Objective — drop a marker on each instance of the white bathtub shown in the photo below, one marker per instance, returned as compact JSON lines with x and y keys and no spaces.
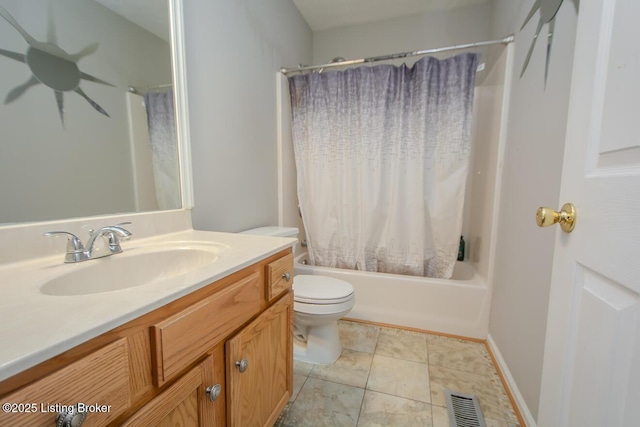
{"x":457,"y":306}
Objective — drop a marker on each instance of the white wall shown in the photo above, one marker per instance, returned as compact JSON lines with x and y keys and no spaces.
{"x":41,"y":158}
{"x":531,"y":178}
{"x":233,"y":51}
{"x":435,"y":29}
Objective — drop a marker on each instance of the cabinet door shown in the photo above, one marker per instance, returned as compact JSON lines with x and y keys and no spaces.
{"x":257,"y":395}
{"x":176,"y":406}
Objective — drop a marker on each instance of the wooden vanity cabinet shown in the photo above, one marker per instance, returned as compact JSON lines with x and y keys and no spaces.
{"x":157,"y":369}
{"x":259,"y":360}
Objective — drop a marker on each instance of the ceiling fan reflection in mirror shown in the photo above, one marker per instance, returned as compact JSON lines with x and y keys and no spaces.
{"x":548,"y":11}
{"x":51,"y":66}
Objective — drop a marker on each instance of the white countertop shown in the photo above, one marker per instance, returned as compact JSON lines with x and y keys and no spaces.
{"x":35,"y":327}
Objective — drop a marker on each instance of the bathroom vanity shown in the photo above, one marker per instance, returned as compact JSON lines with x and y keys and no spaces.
{"x":183,"y":327}
{"x":218,"y":353}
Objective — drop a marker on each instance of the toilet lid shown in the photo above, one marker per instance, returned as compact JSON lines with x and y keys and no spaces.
{"x":320,"y":289}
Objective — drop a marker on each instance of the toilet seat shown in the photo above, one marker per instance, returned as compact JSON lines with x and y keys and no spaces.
{"x":321,"y":290}
{"x":323,"y":309}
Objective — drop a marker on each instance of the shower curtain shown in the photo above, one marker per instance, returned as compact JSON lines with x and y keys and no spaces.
{"x":382,"y":157}
{"x":164,"y":148}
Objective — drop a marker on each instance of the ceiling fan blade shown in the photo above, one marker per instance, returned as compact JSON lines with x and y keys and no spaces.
{"x":91,"y":102}
{"x":84,"y":52}
{"x":51,"y":28}
{"x":18,"y":91}
{"x":552,"y":26}
{"x":60,"y":102}
{"x":91,"y":78}
{"x":533,"y":44}
{"x":13,"y":55}
{"x":532,"y":12}
{"x":7,"y":16}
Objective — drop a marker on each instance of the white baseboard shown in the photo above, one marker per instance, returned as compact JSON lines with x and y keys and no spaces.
{"x":511,"y":383}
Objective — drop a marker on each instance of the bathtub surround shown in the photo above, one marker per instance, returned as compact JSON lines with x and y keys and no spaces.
{"x":382,"y":155}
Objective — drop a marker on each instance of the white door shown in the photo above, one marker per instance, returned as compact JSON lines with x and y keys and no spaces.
{"x":591,"y":371}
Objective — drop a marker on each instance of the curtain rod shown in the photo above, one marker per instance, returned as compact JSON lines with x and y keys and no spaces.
{"x":505,"y":40}
{"x":148,"y":88}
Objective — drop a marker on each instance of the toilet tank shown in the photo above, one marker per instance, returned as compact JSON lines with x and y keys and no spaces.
{"x":273,"y":231}
{"x":276,"y":231}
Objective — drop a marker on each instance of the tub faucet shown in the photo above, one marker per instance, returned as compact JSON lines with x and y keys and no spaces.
{"x":76,"y":251}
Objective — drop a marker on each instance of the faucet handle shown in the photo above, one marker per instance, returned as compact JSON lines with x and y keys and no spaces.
{"x":73,"y":242}
{"x":75,"y":249}
{"x":115,"y":238}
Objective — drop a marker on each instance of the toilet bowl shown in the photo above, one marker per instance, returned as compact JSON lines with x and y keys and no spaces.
{"x":318,"y":303}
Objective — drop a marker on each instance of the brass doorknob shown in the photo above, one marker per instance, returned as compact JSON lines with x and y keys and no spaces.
{"x":566,"y":217}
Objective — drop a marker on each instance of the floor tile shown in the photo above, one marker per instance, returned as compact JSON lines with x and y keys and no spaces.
{"x":494,"y":402}
{"x":324,"y":403}
{"x":298,"y":382}
{"x":498,"y":423}
{"x":404,"y":375}
{"x":358,"y":336}
{"x":440,"y":416}
{"x":380,"y":409}
{"x":460,"y":355}
{"x":302,"y":368}
{"x":401,"y":378}
{"x":402,"y":345}
{"x":351,"y":368}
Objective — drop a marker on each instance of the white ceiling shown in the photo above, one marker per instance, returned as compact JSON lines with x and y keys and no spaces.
{"x":152,"y":15}
{"x":327,"y":14}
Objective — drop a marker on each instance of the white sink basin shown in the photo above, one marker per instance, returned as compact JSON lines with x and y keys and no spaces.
{"x":134,"y":267}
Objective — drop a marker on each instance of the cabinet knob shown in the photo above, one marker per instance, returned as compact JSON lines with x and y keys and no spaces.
{"x":70,"y":417}
{"x":214,"y":392}
{"x":242,"y":365}
{"x":286,"y":276}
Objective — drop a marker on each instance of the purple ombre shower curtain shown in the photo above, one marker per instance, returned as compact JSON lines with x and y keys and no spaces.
{"x":382,"y":156}
{"x":164,"y":148}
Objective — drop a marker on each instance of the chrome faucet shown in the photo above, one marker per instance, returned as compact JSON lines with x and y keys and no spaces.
{"x":76,"y":251}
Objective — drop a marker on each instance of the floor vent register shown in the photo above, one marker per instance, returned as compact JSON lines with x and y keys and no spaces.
{"x":464,"y":410}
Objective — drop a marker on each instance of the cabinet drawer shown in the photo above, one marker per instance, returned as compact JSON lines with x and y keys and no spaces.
{"x":100,"y":380}
{"x":184,"y":337}
{"x":277,"y":273}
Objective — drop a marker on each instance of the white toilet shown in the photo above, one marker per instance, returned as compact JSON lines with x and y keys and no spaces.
{"x":319,"y":301}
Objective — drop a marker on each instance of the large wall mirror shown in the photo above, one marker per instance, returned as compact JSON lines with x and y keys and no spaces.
{"x":87,"y":120}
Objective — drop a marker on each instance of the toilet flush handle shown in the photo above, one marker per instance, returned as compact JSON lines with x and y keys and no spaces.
{"x":286,"y":276}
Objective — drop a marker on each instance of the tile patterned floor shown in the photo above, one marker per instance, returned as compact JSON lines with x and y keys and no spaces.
{"x":392,"y":377}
